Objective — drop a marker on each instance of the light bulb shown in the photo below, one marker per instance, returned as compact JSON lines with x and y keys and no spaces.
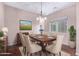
{"x":45,"y":18}
{"x":37,"y":18}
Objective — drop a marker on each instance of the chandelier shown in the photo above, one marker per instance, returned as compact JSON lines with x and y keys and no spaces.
{"x":41,"y":18}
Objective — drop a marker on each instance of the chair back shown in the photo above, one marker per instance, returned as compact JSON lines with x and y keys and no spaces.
{"x":58,"y":46}
{"x":28,"y":43}
{"x":22,"y":39}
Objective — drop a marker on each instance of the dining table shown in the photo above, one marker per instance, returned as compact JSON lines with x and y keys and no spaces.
{"x":42,"y":39}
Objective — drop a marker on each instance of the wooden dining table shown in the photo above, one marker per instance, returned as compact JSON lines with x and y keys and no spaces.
{"x":42,"y":39}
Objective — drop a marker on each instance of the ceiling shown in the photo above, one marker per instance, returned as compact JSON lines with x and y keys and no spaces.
{"x":35,"y":7}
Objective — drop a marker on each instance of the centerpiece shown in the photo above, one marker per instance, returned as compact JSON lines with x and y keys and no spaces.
{"x":41,"y":30}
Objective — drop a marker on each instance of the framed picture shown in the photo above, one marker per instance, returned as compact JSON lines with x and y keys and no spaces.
{"x":25,"y":25}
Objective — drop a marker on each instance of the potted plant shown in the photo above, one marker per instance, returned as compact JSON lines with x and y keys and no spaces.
{"x":1,"y":42}
{"x":72,"y":34}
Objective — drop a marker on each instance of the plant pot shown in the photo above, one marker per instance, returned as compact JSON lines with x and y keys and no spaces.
{"x":72,"y":44}
{"x":1,"y":38}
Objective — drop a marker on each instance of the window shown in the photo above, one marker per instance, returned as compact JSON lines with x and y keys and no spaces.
{"x":59,"y":25}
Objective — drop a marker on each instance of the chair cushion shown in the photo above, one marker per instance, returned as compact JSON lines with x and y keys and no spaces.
{"x":35,"y":48}
{"x":50,"y":48}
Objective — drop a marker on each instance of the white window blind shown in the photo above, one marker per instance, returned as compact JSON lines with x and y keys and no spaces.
{"x":59,"y":25}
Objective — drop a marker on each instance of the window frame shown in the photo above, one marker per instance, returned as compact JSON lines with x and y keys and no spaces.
{"x":56,"y":20}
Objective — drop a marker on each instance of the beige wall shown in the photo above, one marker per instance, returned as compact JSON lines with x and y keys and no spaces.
{"x":1,"y":15}
{"x":24,"y":15}
{"x":77,"y":29}
{"x":70,"y":12}
{"x":11,"y":23}
{"x":12,"y":17}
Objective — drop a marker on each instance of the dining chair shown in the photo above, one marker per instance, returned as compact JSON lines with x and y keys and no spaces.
{"x":23,"y":42}
{"x":55,"y":48}
{"x":31,"y":47}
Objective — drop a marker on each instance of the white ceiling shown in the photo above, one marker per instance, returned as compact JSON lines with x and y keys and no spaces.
{"x":35,"y":7}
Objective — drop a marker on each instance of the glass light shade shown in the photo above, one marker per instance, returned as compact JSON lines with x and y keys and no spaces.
{"x":45,"y":18}
{"x":41,"y":18}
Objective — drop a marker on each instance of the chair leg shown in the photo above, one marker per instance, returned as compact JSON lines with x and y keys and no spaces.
{"x":40,"y":53}
{"x":46,"y":53}
{"x":31,"y":54}
{"x":24,"y":50}
{"x":28,"y":54}
{"x":54,"y":54}
{"x":37,"y":53}
{"x":60,"y":53}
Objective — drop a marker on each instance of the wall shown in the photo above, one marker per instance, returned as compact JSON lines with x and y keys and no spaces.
{"x":77,"y":29}
{"x":70,"y":13}
{"x":24,"y":15}
{"x":11,"y":23}
{"x":1,"y":15}
{"x":12,"y":17}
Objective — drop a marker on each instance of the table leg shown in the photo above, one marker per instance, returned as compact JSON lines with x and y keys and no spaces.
{"x":43,"y":45}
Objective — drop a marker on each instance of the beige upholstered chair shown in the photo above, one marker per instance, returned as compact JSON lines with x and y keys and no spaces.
{"x":31,"y":47}
{"x":23,"y":42}
{"x":55,"y":48}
